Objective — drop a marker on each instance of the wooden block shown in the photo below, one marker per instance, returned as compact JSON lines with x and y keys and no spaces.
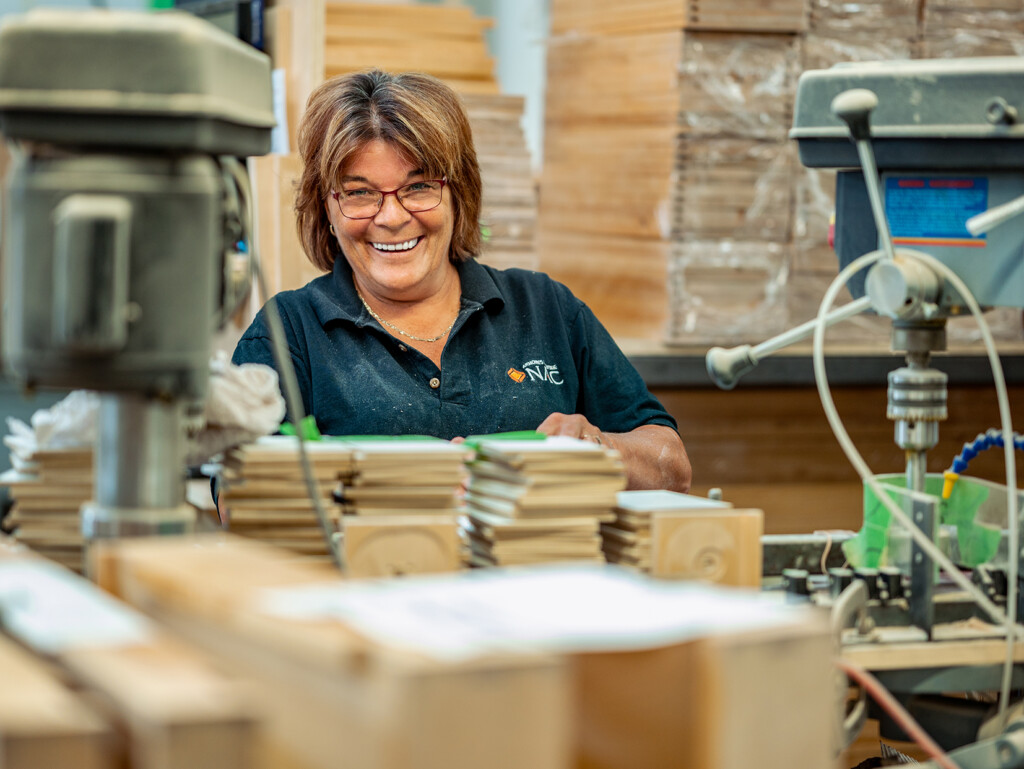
{"x":175,"y":706}
{"x":721,"y":546}
{"x":729,"y":713}
{"x":332,"y":698}
{"x":44,"y":724}
{"x":386,"y":546}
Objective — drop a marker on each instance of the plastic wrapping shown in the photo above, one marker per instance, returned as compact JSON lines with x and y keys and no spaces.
{"x":727,"y":291}
{"x":68,"y":424}
{"x":955,"y":44}
{"x":840,"y":18}
{"x":945,"y":18}
{"x":733,"y":188}
{"x":814,"y":210}
{"x":737,"y":85}
{"x":1005,"y":323}
{"x":821,"y":51}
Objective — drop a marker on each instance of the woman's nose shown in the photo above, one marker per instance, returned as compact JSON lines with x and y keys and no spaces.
{"x":392,"y":211}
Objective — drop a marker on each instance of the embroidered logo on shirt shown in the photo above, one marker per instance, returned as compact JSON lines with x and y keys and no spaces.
{"x":516,"y":375}
{"x":538,"y":370}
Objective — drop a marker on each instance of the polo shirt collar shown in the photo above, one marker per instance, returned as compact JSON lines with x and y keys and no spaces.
{"x":335,"y":297}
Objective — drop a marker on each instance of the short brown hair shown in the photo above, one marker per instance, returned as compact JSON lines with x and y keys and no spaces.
{"x":416,"y":113}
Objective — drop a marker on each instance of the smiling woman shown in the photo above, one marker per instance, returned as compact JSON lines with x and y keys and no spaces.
{"x":408,"y":333}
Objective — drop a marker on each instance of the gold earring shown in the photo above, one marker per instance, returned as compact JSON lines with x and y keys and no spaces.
{"x":332,"y":231}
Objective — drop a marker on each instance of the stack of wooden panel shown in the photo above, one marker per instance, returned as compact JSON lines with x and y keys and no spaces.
{"x":873,"y":29}
{"x":403,"y":476}
{"x":540,"y":501}
{"x":263,"y":493}
{"x":49,"y":488}
{"x":664,"y":134}
{"x":973,"y":28}
{"x":401,"y":501}
{"x":733,"y":195}
{"x":685,"y":537}
{"x":445,"y":41}
{"x":509,"y":214}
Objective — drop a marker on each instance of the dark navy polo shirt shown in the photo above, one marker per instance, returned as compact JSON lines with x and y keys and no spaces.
{"x":521,"y":348}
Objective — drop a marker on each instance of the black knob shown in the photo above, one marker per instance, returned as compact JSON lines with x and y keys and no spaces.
{"x":892,"y":583}
{"x":795,"y":581}
{"x":839,"y":579}
{"x":870,"y":578}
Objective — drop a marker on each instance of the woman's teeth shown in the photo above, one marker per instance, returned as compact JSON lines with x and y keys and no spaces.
{"x":396,"y":246}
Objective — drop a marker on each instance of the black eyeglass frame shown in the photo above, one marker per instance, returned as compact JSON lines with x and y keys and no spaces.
{"x":384,"y":193}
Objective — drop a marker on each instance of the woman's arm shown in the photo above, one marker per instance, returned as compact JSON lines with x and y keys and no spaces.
{"x":654,"y":455}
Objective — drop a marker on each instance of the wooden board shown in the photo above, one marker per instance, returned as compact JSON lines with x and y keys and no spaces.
{"x":629,"y":302}
{"x":43,"y":723}
{"x":728,"y":715}
{"x":175,"y":706}
{"x":388,"y":546}
{"x":723,"y":547}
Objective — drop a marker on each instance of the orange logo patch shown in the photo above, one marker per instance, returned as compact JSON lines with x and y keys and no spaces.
{"x":516,"y":375}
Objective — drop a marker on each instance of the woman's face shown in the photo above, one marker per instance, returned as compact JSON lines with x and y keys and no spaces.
{"x":396,"y":254}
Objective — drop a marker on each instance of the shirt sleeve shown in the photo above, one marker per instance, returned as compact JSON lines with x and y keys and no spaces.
{"x":613,"y":396}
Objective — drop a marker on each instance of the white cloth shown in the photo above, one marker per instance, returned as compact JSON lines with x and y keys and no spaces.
{"x":243,"y":404}
{"x":68,"y":424}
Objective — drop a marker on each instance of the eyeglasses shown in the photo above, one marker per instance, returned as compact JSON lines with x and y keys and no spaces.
{"x":364,"y":203}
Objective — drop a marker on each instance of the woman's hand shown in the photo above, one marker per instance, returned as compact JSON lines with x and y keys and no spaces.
{"x":654,"y":455}
{"x":573,"y":425}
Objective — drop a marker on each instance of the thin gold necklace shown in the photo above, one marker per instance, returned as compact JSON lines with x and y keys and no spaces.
{"x":393,"y":327}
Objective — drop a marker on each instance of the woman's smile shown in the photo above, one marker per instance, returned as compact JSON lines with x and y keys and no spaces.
{"x":406,"y":245}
